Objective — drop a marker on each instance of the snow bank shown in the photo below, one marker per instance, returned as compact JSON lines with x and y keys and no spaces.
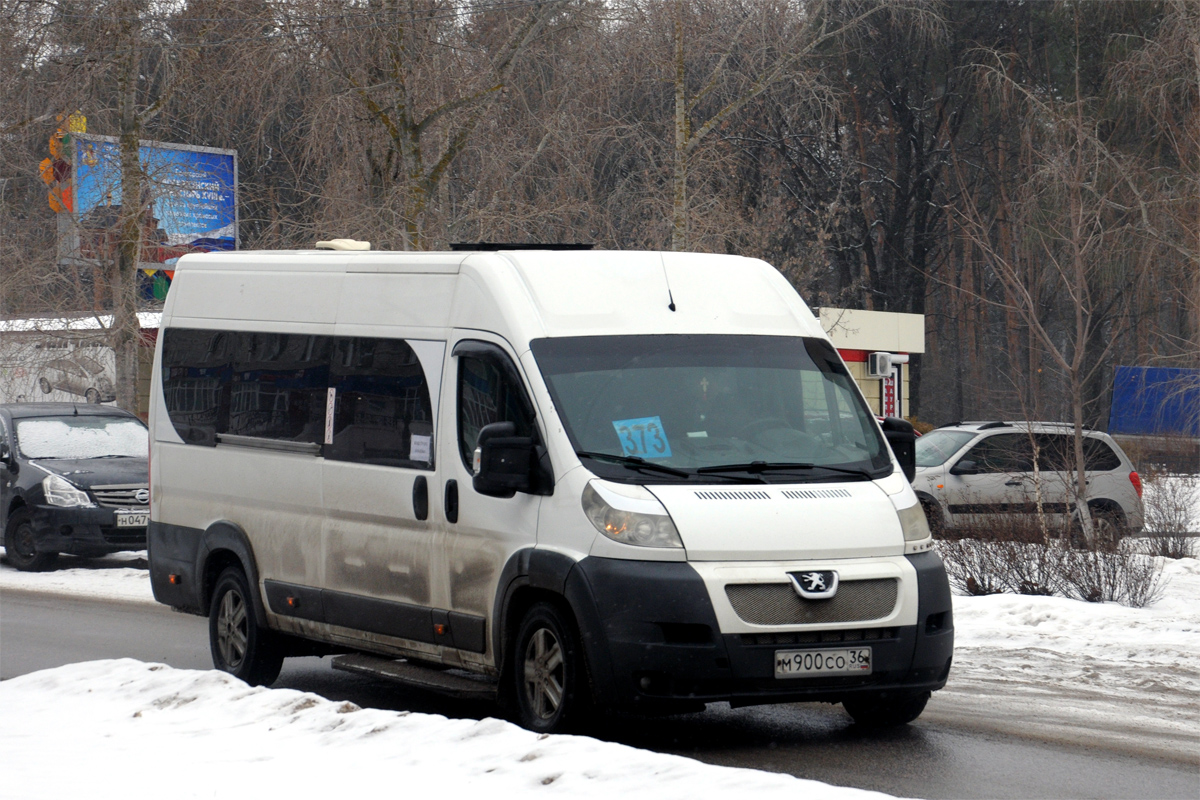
{"x":119,"y":576}
{"x":1126,"y":673}
{"x":128,"y":730}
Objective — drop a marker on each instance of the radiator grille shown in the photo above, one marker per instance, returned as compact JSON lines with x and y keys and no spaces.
{"x":778,"y":603}
{"x":819,"y":637}
{"x":124,"y":496}
{"x":739,"y":495}
{"x":133,"y":537}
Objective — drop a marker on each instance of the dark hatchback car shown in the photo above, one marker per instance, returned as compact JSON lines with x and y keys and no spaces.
{"x":74,"y":478}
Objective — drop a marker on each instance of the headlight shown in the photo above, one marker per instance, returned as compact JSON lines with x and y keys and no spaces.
{"x":641,"y":520}
{"x":916,"y":528}
{"x":61,"y":493}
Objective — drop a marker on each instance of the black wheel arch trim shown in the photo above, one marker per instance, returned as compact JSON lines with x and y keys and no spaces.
{"x":225,"y":535}
{"x":532,"y":568}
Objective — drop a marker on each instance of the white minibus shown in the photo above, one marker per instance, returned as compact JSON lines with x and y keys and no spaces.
{"x":565,"y":479}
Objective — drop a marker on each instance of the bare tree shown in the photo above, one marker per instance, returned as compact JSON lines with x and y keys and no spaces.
{"x":1076,"y":224}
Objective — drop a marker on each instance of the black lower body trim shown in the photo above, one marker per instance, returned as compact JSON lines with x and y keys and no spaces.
{"x":384,"y":617}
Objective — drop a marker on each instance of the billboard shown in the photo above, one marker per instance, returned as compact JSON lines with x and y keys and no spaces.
{"x":190,"y":200}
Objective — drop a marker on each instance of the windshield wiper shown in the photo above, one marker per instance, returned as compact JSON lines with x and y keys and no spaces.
{"x":634,"y":462}
{"x":112,"y":455}
{"x":757,"y":467}
{"x":637,"y":463}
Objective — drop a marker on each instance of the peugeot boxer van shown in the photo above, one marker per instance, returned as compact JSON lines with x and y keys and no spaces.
{"x":563,"y":479}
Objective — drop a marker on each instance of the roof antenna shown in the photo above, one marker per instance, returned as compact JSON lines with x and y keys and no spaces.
{"x":670,"y":297}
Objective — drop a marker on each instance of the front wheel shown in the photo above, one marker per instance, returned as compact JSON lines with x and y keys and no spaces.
{"x":549,"y":678}
{"x":20,"y":542}
{"x":886,"y":710}
{"x":239,"y":645}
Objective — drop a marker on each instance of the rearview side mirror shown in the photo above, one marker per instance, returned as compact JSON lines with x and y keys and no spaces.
{"x":6,"y":457}
{"x":965,"y":467}
{"x":902,"y":438}
{"x":504,"y":462}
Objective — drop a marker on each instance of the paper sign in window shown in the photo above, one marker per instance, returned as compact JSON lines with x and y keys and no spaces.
{"x":643,"y":437}
{"x":420,"y":448}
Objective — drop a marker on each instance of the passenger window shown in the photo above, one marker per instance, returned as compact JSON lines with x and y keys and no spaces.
{"x":1056,"y":453}
{"x":1005,"y":452}
{"x":196,"y":378}
{"x":383,"y":412}
{"x":489,"y":391}
{"x":1099,"y":456}
{"x":279,"y":385}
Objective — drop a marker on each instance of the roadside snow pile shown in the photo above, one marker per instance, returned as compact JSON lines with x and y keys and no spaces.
{"x":118,"y":576}
{"x":1068,"y":664}
{"x":156,"y":731}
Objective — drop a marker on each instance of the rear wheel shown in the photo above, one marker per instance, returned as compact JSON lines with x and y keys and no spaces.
{"x":20,"y":542}
{"x":886,"y":710}
{"x":239,"y":645}
{"x":549,"y":678}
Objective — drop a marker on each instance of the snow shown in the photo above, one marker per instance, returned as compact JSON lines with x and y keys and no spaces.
{"x":196,"y":734}
{"x":1126,"y":676}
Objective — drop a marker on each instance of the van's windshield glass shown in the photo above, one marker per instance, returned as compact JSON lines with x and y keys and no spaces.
{"x":711,"y":407}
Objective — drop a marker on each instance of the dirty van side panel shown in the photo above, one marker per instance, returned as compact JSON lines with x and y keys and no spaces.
{"x":488,"y":530}
{"x":380,"y":440}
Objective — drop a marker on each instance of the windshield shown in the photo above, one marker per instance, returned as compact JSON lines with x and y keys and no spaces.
{"x":82,"y":437}
{"x":784,"y":409}
{"x":936,"y":446}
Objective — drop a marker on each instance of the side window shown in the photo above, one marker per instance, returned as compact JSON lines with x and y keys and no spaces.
{"x":1005,"y":452}
{"x":489,"y":390}
{"x":1056,"y":453}
{"x":196,"y":379}
{"x":279,"y":386}
{"x":1099,"y":456}
{"x":383,"y":414}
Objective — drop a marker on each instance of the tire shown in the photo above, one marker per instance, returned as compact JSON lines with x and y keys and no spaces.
{"x":549,"y":682}
{"x":20,"y":543}
{"x":1110,"y":528}
{"x":44,"y":385}
{"x":239,"y":646}
{"x":886,"y":710}
{"x":92,"y":396}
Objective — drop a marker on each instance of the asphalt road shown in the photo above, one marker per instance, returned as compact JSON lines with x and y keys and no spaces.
{"x":938,"y":756}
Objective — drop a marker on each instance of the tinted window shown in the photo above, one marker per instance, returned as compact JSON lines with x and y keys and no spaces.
{"x":279,"y":386}
{"x":1057,"y":453}
{"x":1099,"y":456}
{"x":383,"y":413}
{"x":196,"y":375}
{"x":1005,"y":452}
{"x":489,"y":391}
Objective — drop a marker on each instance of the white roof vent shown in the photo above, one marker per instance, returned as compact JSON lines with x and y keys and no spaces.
{"x":343,"y":244}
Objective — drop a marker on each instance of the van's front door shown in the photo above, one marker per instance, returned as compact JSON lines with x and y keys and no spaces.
{"x":483,"y":384}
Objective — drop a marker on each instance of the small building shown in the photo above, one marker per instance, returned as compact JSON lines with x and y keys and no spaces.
{"x":67,"y":358}
{"x":858,"y":334}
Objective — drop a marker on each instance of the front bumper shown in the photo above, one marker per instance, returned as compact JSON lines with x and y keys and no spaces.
{"x":653,"y":641}
{"x":83,"y":531}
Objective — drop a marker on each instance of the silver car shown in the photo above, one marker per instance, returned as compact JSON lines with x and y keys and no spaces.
{"x":972,"y":474}
{"x":79,"y":375}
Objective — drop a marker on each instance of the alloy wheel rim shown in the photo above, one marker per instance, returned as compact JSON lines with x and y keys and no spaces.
{"x":544,"y":673}
{"x":232,"y":629}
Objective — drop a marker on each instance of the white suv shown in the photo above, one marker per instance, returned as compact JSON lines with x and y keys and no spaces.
{"x":971,"y":474}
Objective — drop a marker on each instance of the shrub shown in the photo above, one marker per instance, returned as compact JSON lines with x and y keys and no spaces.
{"x":1170,"y":503}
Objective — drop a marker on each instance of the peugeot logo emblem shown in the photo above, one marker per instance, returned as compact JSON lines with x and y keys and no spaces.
{"x":142,"y":496}
{"x":817,"y":584}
